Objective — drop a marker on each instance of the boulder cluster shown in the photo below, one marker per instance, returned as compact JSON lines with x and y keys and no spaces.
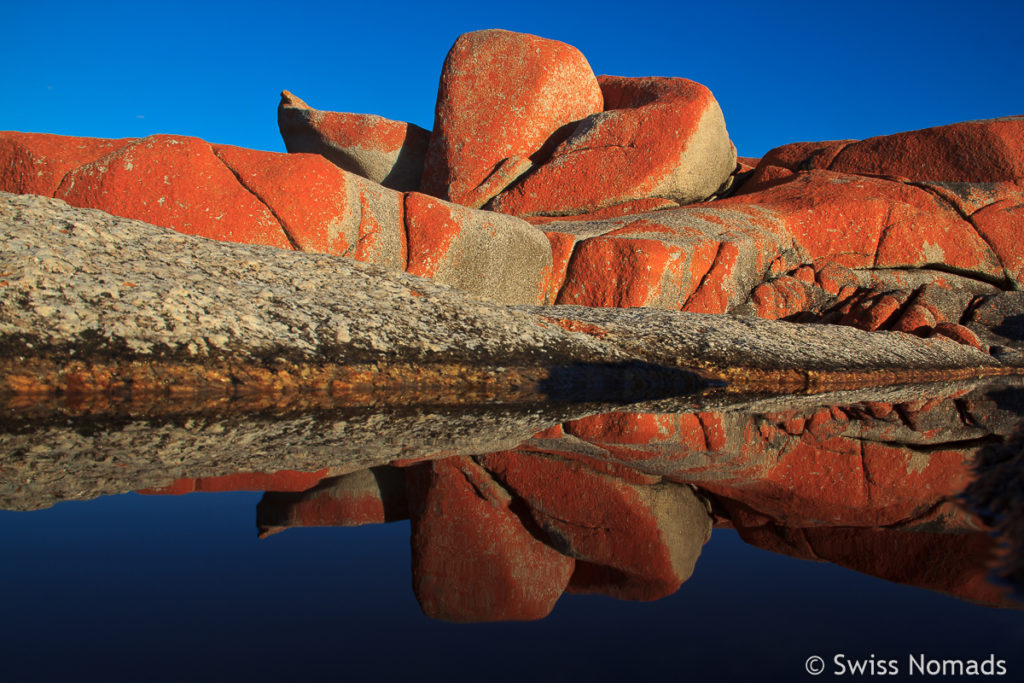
{"x":542,"y":183}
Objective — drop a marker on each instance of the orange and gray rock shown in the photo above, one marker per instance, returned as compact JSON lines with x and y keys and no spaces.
{"x":502,"y":96}
{"x":657,"y":138}
{"x":290,"y":201}
{"x":387,"y":152}
{"x":472,"y":558}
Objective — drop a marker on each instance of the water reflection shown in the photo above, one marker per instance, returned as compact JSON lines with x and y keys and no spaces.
{"x":510,"y":508}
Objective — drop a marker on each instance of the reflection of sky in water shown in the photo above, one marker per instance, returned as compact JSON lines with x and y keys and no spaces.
{"x":176,"y":588}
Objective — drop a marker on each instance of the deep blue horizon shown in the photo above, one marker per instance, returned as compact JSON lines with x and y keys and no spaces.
{"x":803,"y":71}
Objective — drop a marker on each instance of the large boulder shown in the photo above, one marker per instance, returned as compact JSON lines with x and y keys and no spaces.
{"x":290,"y":201}
{"x":473,"y":559}
{"x":501,"y":257}
{"x":502,"y":95}
{"x":637,"y":542}
{"x":35,"y":163}
{"x":658,"y":137}
{"x":701,"y":259}
{"x":969,"y":152}
{"x":866,"y":223}
{"x":178,"y":182}
{"x":387,"y":152}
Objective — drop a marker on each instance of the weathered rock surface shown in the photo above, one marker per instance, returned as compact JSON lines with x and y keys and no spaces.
{"x":902,"y":232}
{"x":473,"y":559}
{"x":480,"y":252}
{"x":501,"y":97}
{"x":632,"y":540}
{"x":36,"y":163}
{"x":657,"y":138}
{"x":121,"y":289}
{"x":144,"y":309}
{"x":388,"y":152}
{"x":984,"y":151}
{"x":371,"y":496}
{"x":617,"y":503}
{"x":291,"y":201}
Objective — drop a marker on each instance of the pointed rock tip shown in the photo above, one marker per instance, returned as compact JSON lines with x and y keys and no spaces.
{"x":290,"y":100}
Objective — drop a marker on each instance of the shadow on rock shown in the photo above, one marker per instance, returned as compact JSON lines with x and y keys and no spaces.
{"x":620,"y":383}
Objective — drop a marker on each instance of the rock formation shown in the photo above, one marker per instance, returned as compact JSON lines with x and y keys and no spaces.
{"x":616,"y":503}
{"x":633,"y":189}
{"x":387,"y":152}
{"x":559,"y":241}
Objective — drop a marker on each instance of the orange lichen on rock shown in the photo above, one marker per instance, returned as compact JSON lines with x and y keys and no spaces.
{"x":501,"y":96}
{"x":657,"y":138}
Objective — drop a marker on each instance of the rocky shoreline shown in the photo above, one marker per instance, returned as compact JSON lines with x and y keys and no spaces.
{"x":96,"y":304}
{"x":555,"y":235}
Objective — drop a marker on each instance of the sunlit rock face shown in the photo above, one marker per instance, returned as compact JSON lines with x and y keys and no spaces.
{"x":634,"y":191}
{"x":551,"y":333}
{"x":502,"y":96}
{"x":387,"y":152}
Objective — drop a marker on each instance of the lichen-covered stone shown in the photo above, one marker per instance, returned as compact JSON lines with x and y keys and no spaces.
{"x":387,"y":152}
{"x":657,"y":138}
{"x":502,"y":95}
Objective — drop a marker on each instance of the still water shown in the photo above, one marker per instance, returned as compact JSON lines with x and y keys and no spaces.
{"x":711,"y":538}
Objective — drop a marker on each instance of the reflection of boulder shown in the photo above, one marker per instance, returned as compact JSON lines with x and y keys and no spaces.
{"x":473,"y":559}
{"x":618,"y":503}
{"x":862,"y":465}
{"x":959,"y":564}
{"x":284,"y":480}
{"x":371,"y":496}
{"x":637,"y":541}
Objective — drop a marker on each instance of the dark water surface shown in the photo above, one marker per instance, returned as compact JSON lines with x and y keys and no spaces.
{"x":180,"y":587}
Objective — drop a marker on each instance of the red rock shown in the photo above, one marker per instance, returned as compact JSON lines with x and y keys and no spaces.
{"x":996,"y":153}
{"x":694,"y":258}
{"x":35,"y":163}
{"x":285,"y":480}
{"x":562,"y":246}
{"x":917,"y":319}
{"x":958,"y":564}
{"x":959,"y":334}
{"x":174,"y":182}
{"x":373,"y":496}
{"x":322,"y":207}
{"x":832,"y":277}
{"x":647,"y":537}
{"x":781,"y":297}
{"x":473,"y":560}
{"x":658,"y":137}
{"x":637,"y":206}
{"x":388,"y":152}
{"x":1001,"y":225}
{"x":931,"y":154}
{"x":840,"y":481}
{"x":970,"y":198}
{"x":795,"y":469}
{"x":863,"y":222}
{"x":875,"y":311}
{"x":763,"y":177}
{"x":745,"y":164}
{"x":717,"y":289}
{"x":501,"y":96}
{"x":483,"y":253}
{"x":624,"y":428}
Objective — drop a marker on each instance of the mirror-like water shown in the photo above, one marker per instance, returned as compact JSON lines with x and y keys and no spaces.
{"x":716,"y":537}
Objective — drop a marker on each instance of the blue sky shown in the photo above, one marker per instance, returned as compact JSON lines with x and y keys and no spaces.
{"x":782,"y":71}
